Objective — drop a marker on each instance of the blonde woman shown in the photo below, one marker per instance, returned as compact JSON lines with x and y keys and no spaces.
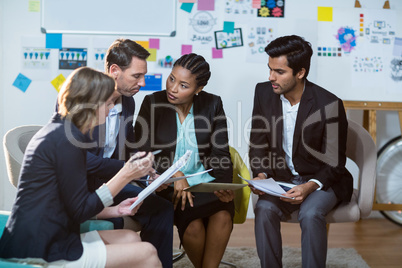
{"x":53,"y":198}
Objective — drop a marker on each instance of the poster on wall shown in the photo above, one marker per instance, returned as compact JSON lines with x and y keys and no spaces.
{"x":36,"y":62}
{"x":228,"y":40}
{"x":98,"y":58}
{"x":239,"y":11}
{"x":202,"y":25}
{"x":72,"y":58}
{"x":271,"y":9}
{"x":259,"y":35}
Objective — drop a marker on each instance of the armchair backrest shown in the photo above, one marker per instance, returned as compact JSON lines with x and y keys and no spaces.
{"x":14,"y":143}
{"x":361,"y":149}
{"x":242,"y":196}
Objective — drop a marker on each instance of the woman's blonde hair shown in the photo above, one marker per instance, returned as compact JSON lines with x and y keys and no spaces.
{"x":81,"y":95}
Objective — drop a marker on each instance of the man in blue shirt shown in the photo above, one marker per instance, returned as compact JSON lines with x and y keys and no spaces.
{"x":126,"y":63}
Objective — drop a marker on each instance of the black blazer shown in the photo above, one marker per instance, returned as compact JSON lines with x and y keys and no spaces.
{"x":102,"y":169}
{"x":319,"y":141}
{"x":156,"y":128}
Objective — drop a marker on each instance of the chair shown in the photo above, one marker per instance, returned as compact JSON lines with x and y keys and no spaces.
{"x":360,"y":148}
{"x":242,"y":196}
{"x":14,"y":143}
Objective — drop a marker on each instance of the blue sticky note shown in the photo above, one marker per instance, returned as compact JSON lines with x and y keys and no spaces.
{"x":228,"y":26}
{"x":54,"y":41}
{"x":22,"y":82}
{"x":187,"y":7}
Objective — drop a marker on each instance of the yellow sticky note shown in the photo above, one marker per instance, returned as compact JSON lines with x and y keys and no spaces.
{"x":58,"y":81}
{"x":144,"y":44}
{"x":34,"y":6}
{"x":153,"y":52}
{"x":324,"y":14}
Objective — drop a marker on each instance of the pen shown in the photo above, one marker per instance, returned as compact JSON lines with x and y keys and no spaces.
{"x":139,"y":157}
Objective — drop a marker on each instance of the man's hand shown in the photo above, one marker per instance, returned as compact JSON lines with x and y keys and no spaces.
{"x":300,"y":192}
{"x":260,"y":176}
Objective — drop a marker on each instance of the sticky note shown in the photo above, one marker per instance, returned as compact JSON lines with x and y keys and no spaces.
{"x":206,"y":5}
{"x":144,"y":44}
{"x":256,"y":4}
{"x":54,"y":41}
{"x":217,"y":53}
{"x":153,"y":52}
{"x":186,"y":49}
{"x":187,"y":1}
{"x":187,"y":7}
{"x":154,"y":43}
{"x":228,"y":26}
{"x":22,"y":82}
{"x":58,"y":81}
{"x":324,"y":14}
{"x":34,"y":6}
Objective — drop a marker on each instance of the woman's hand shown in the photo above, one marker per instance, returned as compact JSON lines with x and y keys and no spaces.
{"x":179,"y":193}
{"x":136,"y":169}
{"x":123,"y":209}
{"x":225,"y":195}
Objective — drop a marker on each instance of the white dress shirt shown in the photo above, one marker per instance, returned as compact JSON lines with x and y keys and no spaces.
{"x":289,"y":122}
{"x":112,"y":129}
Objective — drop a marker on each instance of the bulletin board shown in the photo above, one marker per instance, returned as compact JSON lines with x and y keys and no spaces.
{"x":117,"y":17}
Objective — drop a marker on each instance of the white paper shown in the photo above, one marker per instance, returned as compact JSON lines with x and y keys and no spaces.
{"x":269,"y":186}
{"x":162,"y":179}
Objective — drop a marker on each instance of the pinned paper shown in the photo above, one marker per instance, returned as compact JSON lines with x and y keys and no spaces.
{"x":54,"y":41}
{"x":153,"y":52}
{"x":154,"y":43}
{"x":186,"y":49}
{"x":22,"y":82}
{"x":206,"y":5}
{"x":324,"y":14}
{"x":58,"y":81}
{"x":144,"y":44}
{"x":397,"y":52}
{"x":34,"y":6}
{"x":187,"y":7}
{"x":217,"y":53}
{"x":228,"y":26}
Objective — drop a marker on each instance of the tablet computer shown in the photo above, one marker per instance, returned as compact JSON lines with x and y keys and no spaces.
{"x":211,"y":187}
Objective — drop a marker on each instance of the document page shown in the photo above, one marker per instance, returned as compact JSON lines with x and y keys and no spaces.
{"x":269,"y":186}
{"x":162,"y":179}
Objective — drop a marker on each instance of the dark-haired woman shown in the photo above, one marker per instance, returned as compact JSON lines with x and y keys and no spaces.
{"x":53,"y":197}
{"x":181,"y":118}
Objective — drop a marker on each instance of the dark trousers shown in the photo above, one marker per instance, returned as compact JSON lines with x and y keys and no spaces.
{"x":156,"y":219}
{"x":270,"y":210}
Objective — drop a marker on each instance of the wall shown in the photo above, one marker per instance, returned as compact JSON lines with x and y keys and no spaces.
{"x":232,"y":78}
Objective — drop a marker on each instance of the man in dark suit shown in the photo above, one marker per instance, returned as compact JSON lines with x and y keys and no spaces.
{"x":126,"y":63}
{"x":298,"y":136}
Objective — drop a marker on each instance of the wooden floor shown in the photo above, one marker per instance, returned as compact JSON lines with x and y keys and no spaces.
{"x":377,"y":240}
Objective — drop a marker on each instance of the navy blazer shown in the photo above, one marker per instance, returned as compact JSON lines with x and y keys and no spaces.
{"x":52,"y":198}
{"x":156,"y":128}
{"x":105,"y":168}
{"x":320,"y":131}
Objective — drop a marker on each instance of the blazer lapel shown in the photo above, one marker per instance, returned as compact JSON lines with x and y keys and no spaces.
{"x":306,"y":103}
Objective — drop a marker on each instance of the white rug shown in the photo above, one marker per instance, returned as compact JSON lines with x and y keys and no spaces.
{"x":247,"y":258}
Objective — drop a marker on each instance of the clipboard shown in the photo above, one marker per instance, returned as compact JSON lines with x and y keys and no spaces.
{"x":209,"y":187}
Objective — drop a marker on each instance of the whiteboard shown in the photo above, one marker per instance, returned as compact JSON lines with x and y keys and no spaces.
{"x":117,"y":17}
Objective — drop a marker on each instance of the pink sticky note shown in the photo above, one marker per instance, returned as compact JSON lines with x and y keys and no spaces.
{"x":186,"y":49}
{"x":206,"y":5}
{"x":217,"y":53}
{"x":154,"y":43}
{"x":187,"y":1}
